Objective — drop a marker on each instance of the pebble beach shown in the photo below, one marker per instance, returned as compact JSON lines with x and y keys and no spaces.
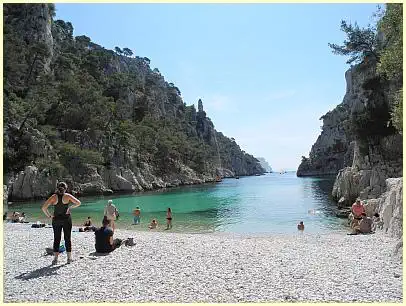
{"x":218,"y":268}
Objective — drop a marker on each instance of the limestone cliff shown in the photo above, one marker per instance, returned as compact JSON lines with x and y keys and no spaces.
{"x":362,"y":164}
{"x":390,"y":208}
{"x":102,"y":121}
{"x":334,"y":148}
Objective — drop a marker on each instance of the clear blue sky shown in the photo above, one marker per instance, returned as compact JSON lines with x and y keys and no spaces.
{"x":264,"y":72}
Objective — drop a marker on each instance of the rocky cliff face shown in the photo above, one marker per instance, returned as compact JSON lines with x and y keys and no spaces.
{"x":357,"y":144}
{"x":390,"y":208}
{"x":362,"y":164}
{"x":334,"y":148}
{"x":104,"y":160}
{"x":366,"y":178}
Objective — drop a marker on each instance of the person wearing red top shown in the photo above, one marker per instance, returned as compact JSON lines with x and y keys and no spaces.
{"x":357,"y":210}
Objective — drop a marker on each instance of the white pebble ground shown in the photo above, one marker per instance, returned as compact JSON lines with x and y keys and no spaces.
{"x":173,"y":267}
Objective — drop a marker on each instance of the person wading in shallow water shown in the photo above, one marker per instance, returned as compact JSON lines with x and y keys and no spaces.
{"x":168,"y":219}
{"x":61,"y":219}
{"x":111,"y":213}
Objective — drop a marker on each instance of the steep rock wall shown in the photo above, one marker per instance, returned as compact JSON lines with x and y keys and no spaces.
{"x":36,"y":163}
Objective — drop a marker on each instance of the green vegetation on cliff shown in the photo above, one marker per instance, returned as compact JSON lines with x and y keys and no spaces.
{"x":391,"y":65}
{"x":69,"y":103}
{"x":383,"y":45}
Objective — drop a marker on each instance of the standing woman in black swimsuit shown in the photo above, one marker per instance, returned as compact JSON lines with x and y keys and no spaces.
{"x":61,"y":219}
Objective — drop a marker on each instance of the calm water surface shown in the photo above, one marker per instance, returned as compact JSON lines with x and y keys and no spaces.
{"x":272,"y":203}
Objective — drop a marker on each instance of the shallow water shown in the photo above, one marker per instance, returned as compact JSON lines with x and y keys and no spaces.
{"x":272,"y":203}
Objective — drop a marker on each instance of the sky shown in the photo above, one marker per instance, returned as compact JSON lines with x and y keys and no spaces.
{"x":264,"y":72}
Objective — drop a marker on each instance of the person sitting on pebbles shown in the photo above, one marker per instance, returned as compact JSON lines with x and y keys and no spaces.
{"x":357,"y":209}
{"x":15,"y":217}
{"x":88,"y":226}
{"x":104,"y":238}
{"x":153,"y":224}
{"x":364,"y":227}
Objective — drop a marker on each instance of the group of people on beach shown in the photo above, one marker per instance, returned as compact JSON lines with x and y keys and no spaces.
{"x":361,"y":223}
{"x":104,"y":242}
{"x":112,"y":214}
{"x":154,"y":222}
{"x":62,"y":221}
{"x":15,"y":217}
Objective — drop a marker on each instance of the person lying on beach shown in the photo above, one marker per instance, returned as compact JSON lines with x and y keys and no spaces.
{"x":87,"y":229}
{"x":153,"y":224}
{"x":104,"y":238}
{"x":300,"y":226}
{"x":364,"y":227}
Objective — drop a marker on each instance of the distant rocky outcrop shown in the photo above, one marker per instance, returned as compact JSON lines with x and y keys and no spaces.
{"x":264,"y":164}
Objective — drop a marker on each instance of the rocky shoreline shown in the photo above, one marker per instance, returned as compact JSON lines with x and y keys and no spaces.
{"x":33,"y":183}
{"x":171,"y":267}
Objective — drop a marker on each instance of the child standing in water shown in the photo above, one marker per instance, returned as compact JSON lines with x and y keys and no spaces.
{"x":168,"y":219}
{"x":300,"y":226}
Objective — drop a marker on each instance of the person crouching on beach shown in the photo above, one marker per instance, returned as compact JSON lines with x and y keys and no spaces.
{"x":104,"y":238}
{"x":364,"y":227}
{"x":300,"y":226}
{"x":111,"y":212}
{"x":61,"y":219}
{"x":153,"y":224}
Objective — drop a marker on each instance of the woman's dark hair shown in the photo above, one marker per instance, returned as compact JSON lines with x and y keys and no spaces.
{"x":169,"y":209}
{"x":61,"y":187}
{"x":105,"y":221}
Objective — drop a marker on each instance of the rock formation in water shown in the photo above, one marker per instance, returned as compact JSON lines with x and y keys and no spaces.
{"x":101,"y":120}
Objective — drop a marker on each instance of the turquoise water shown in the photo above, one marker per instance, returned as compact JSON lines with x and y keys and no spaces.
{"x":271,"y":203}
